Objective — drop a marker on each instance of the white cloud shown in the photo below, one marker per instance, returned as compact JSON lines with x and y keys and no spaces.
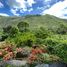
{"x":31,"y":9}
{"x":17,"y":4}
{"x":14,"y":11}
{"x":57,"y":9}
{"x":30,"y":2}
{"x":1,"y":5}
{"x":47,"y":0}
{"x":20,"y":4}
{"x":4,"y":14}
{"x":21,"y":11}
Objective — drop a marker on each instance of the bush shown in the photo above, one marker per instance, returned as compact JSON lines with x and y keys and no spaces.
{"x":58,"y":45}
{"x":23,"y":39}
{"x":41,"y":34}
{"x":62,"y":29}
{"x":23,"y":26}
{"x":10,"y":31}
{"x":7,"y":51}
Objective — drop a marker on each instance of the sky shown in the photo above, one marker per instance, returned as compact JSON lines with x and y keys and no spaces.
{"x":57,"y":8}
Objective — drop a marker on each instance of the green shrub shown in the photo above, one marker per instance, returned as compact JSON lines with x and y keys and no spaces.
{"x":58,"y":43}
{"x":23,"y":26}
{"x":41,"y":34}
{"x":62,"y":29}
{"x":10,"y":31}
{"x":23,"y":39}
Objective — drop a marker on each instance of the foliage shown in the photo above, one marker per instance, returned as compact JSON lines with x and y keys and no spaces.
{"x":39,"y":55}
{"x":61,"y":51}
{"x":22,"y":52}
{"x":46,"y":21}
{"x":47,"y":58}
{"x":23,"y":39}
{"x":7,"y":51}
{"x":23,"y":26}
{"x":46,"y":30}
{"x":58,"y":46}
{"x":62,"y":29}
{"x":41,"y":34}
{"x":10,"y":31}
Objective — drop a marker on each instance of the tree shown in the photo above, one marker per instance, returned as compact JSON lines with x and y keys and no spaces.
{"x":23,"y":26}
{"x":10,"y":31}
{"x":62,"y":29}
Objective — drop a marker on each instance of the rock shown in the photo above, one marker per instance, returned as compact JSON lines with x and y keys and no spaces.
{"x":42,"y":65}
{"x":23,"y":63}
{"x":56,"y":64}
{"x":2,"y":64}
{"x":17,"y":63}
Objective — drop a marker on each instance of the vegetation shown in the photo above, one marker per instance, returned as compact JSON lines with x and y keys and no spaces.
{"x":44,"y":37}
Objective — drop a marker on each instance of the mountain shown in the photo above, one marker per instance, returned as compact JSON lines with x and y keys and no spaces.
{"x":35,"y":21}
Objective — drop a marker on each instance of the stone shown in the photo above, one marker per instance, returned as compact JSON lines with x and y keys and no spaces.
{"x":17,"y":63}
{"x":42,"y":65}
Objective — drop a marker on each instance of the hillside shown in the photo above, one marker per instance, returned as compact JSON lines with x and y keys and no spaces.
{"x":46,"y":34}
{"x":35,"y":21}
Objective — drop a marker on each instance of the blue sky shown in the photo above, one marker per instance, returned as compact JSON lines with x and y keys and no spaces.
{"x":57,"y":8}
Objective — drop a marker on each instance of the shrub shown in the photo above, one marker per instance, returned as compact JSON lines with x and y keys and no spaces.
{"x":23,"y":39}
{"x":41,"y":34}
{"x":10,"y":31}
{"x":23,"y":26}
{"x":58,"y":45}
{"x":7,"y":51}
{"x":62,"y":29}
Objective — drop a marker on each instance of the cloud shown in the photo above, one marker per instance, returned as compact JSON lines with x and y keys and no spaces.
{"x":57,"y":9}
{"x":31,"y":9}
{"x":14,"y":12}
{"x":20,"y":4}
{"x":1,"y":5}
{"x":30,"y":2}
{"x":4,"y":14}
{"x":16,"y":3}
{"x":47,"y":0}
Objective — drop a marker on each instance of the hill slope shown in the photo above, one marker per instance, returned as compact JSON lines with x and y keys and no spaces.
{"x":35,"y":21}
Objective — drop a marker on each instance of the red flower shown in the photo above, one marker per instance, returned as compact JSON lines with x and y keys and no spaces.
{"x":9,"y":49}
{"x":6,"y":57}
{"x":32,"y":57}
{"x":1,"y":53}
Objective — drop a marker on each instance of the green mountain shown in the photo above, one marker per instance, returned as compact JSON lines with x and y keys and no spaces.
{"x":35,"y":21}
{"x":55,"y":37}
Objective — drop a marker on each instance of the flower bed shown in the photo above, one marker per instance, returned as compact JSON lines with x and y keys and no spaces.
{"x":32,"y":55}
